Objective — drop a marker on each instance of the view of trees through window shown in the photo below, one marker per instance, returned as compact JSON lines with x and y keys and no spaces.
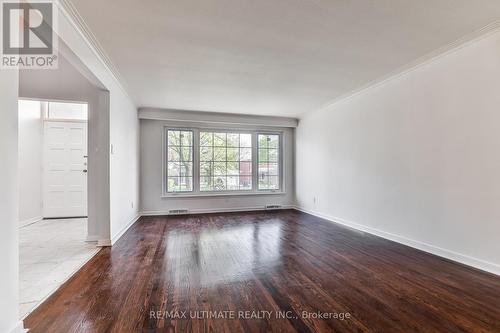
{"x":180,"y":161}
{"x":268,"y":161}
{"x":225,"y":161}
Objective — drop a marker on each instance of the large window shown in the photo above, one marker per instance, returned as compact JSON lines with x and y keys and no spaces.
{"x":225,"y":161}
{"x":269,"y":166}
{"x":200,"y":162}
{"x":179,"y":161}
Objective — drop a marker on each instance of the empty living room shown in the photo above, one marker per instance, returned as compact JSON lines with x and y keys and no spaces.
{"x":223,"y":166}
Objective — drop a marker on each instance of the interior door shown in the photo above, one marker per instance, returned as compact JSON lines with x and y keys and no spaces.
{"x":65,"y":169}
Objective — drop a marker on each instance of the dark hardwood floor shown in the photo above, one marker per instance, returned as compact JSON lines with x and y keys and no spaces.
{"x":285,"y":264}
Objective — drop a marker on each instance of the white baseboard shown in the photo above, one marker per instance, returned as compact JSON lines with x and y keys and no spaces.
{"x":103,"y":242}
{"x":116,"y":237}
{"x":92,"y":238}
{"x":448,"y":254}
{"x":214,"y":210}
{"x":32,"y":220}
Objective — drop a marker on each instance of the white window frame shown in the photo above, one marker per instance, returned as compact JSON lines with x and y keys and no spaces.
{"x":196,"y":162}
{"x":280,"y":160}
{"x":165,"y":159}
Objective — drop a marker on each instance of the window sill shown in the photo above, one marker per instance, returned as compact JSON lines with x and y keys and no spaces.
{"x":204,"y":195}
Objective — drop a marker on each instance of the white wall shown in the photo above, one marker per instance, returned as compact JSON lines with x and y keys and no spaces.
{"x":151,"y":177}
{"x":9,"y":236}
{"x":30,"y":137}
{"x":415,"y":159}
{"x":123,"y":126}
{"x":124,"y":166}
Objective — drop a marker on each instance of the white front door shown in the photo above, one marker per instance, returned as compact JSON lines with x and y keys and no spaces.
{"x":65,"y":169}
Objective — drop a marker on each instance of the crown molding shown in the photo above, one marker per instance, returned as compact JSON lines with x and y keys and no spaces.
{"x":215,"y":117}
{"x":68,"y":9}
{"x":441,"y":52}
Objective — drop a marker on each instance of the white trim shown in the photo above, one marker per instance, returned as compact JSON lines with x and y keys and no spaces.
{"x":432,"y":249}
{"x":116,"y":237}
{"x":429,"y":58}
{"x":63,"y":120}
{"x":104,"y":242}
{"x":30,"y":221}
{"x":217,"y":118}
{"x":19,"y":328}
{"x":214,"y":210}
{"x":179,"y":195}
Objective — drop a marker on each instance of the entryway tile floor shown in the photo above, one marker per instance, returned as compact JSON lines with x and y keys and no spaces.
{"x":50,"y":252}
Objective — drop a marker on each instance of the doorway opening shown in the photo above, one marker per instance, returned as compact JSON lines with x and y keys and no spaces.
{"x":53,"y":170}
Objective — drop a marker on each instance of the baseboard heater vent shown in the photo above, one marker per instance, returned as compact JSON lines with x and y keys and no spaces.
{"x":177,"y":211}
{"x":271,"y":207}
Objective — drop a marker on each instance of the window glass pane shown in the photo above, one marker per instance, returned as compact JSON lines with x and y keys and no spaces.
{"x":63,"y":110}
{"x":246,"y":140}
{"x":233,"y":140}
{"x":233,"y":168}
{"x":263,"y":182}
{"x":246,"y":154}
{"x":263,"y":169}
{"x":186,"y":183}
{"x":186,"y":139}
{"x":206,"y":139}
{"x":231,"y":154}
{"x":220,"y":139}
{"x":273,"y":141}
{"x":220,"y":153}
{"x":273,"y":169}
{"x":219,"y":183}
{"x":206,"y":154}
{"x":186,"y":154}
{"x":246,"y":168}
{"x":206,"y":183}
{"x":174,"y":184}
{"x":274,"y":183}
{"x":206,"y":168}
{"x":173,"y":169}
{"x":173,"y":154}
{"x":174,"y":138}
{"x":263,"y":155}
{"x":273,"y":155}
{"x":185,"y":169}
{"x":268,"y":161}
{"x":269,"y":182}
{"x":179,"y":161}
{"x":245,"y":182}
{"x":220,"y":168}
{"x":233,"y":183}
{"x":262,"y":141}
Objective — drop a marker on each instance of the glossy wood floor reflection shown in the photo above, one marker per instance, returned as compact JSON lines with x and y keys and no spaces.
{"x":285,"y":263}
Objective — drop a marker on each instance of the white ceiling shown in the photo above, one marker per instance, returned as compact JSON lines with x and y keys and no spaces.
{"x":269,"y":57}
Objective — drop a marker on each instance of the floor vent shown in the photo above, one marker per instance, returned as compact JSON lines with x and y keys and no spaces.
{"x":177,"y":211}
{"x":270,"y":207}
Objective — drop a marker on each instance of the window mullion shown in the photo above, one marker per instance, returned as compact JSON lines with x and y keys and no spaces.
{"x":196,"y":161}
{"x":255,"y":164}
